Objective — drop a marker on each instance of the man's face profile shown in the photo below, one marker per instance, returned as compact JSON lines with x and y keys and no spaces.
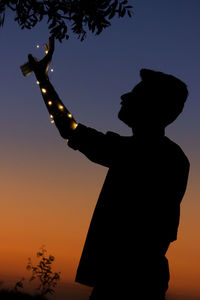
{"x":135,"y":106}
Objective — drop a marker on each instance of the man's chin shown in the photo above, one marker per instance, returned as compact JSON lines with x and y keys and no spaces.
{"x":119,"y":116}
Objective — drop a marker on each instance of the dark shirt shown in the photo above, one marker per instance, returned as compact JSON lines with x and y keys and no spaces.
{"x":138,"y":210}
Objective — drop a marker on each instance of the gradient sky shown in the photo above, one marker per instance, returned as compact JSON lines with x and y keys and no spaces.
{"x":48,"y":191}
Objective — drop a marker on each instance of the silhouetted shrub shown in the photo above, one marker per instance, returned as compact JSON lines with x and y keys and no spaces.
{"x":41,"y":272}
{"x":14,"y":295}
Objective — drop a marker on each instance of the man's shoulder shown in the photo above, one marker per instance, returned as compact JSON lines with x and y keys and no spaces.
{"x":176,"y":150}
{"x":118,"y":137}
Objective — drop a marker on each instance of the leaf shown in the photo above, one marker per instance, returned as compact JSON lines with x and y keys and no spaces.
{"x":129,"y":14}
{"x":114,"y":5}
{"x":112,"y":15}
{"x":51,"y":258}
{"x":39,"y":254}
{"x":2,"y":19}
{"x":123,"y":12}
{"x":28,"y":267}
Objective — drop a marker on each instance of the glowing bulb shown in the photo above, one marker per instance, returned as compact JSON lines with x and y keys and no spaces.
{"x":69,"y":116}
{"x":44,"y":91}
{"x":52,"y":122}
{"x":74,"y":125}
{"x":37,"y":82}
{"x":52,"y":69}
{"x":46,"y":51}
{"x":38,"y":46}
{"x":50,"y":103}
{"x":51,"y":116}
{"x":61,"y":107}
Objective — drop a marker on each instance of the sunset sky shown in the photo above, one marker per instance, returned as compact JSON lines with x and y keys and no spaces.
{"x":48,"y":191}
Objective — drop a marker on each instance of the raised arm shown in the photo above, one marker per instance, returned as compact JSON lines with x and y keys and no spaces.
{"x":59,"y":114}
{"x":98,"y":147}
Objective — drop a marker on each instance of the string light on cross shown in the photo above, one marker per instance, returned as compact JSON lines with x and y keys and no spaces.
{"x":53,"y":103}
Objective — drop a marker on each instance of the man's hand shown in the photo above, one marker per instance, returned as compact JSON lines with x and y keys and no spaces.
{"x":40,"y":68}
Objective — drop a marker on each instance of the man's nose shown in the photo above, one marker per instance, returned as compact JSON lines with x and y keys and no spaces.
{"x":125,"y":97}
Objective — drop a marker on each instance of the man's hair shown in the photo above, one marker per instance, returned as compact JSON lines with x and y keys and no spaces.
{"x":169,"y":92}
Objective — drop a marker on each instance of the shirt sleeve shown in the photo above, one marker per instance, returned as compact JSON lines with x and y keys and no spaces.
{"x":98,"y":147}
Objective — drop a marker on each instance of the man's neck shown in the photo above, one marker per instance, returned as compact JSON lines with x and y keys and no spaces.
{"x":149,"y":134}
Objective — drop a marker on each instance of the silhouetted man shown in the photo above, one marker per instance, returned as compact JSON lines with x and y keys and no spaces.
{"x":137,"y":213}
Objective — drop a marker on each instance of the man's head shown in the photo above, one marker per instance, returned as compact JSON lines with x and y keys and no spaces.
{"x":154,"y":102}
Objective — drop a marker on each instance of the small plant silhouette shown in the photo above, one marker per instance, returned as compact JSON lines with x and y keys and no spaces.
{"x":43,"y":272}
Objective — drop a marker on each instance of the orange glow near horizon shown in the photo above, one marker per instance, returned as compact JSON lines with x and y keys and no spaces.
{"x":42,"y":207}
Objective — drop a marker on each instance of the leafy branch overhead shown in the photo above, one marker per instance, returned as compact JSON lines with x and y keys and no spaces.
{"x":78,"y":15}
